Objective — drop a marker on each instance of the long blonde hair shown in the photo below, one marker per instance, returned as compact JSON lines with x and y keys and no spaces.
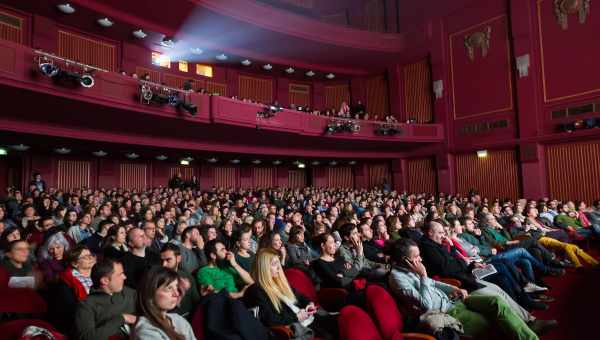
{"x":276,"y":288}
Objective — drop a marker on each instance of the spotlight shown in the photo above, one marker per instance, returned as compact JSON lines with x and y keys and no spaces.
{"x":301,"y":165}
{"x":3,"y":152}
{"x":482,"y":153}
{"x":269,"y":111}
{"x":52,"y":71}
{"x":86,"y":81}
{"x":49,"y":70}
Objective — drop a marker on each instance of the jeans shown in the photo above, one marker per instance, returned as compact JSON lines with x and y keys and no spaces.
{"x":478,"y":312}
{"x":524,"y":260}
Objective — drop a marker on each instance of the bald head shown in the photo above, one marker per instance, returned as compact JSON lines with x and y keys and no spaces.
{"x":435,"y":232}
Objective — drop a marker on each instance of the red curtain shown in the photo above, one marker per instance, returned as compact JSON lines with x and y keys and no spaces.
{"x":341,"y":177}
{"x":377,"y":96}
{"x":580,"y":179}
{"x":73,"y":174}
{"x":133,"y":176}
{"x":320,"y":177}
{"x":417,"y":91}
{"x":226,"y":177}
{"x":378,"y":174}
{"x":258,"y":89}
{"x":297,"y":178}
{"x":186,"y":172}
{"x":421,"y":176}
{"x":88,"y":51}
{"x":335,"y":95}
{"x":496,"y":176}
{"x":263,"y":177}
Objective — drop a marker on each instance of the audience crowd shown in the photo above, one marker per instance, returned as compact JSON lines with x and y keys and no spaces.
{"x":140,"y":263}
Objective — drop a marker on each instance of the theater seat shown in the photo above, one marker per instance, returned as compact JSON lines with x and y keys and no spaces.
{"x":12,"y":330}
{"x":331,"y":299}
{"x":19,"y":300}
{"x":198,"y":323}
{"x":355,"y":324}
{"x":384,"y":311}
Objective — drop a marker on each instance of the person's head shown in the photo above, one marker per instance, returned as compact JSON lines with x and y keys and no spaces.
{"x":243,"y":238}
{"x":258,"y":227}
{"x":469,"y":224}
{"x":18,"y":251}
{"x":209,"y":232}
{"x":170,"y":256}
{"x":272,"y":240}
{"x":108,"y":276}
{"x":150,"y":230}
{"x":269,"y":275}
{"x":159,"y":293}
{"x":55,"y":247}
{"x":349,"y":232}
{"x":136,"y":238}
{"x":81,"y":258}
{"x":456,"y":227}
{"x":117,"y":234}
{"x":435,"y":231}
{"x":405,"y":250}
{"x":47,"y":223}
{"x":215,"y":251}
{"x":327,"y":244}
{"x":366,"y":233}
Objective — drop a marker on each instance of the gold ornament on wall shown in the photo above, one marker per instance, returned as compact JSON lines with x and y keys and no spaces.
{"x":564,"y":8}
{"x":476,"y":40}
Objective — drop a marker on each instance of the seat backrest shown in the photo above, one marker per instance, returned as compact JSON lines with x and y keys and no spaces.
{"x":198,"y":322}
{"x":302,"y":283}
{"x":383,"y":309}
{"x":4,"y":277}
{"x":355,"y":324}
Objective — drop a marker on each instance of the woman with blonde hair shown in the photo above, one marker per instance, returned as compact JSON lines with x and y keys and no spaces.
{"x":278,"y":304}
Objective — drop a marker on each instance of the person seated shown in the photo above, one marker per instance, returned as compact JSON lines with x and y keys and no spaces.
{"x":170,"y":256}
{"x":372,"y":251}
{"x":139,"y":258}
{"x":244,"y":256}
{"x":115,"y":242}
{"x":94,"y":242}
{"x":110,"y":308}
{"x":73,"y":287}
{"x":160,"y":293}
{"x":567,"y":219}
{"x":51,"y":257}
{"x":273,"y":241}
{"x":538,"y":226}
{"x":333,"y":271}
{"x":278,"y":304}
{"x":477,"y":312}
{"x":353,"y":252}
{"x":82,"y":230}
{"x":222,"y":271}
{"x":409,"y":228}
{"x":192,"y":249}
{"x":299,"y":253}
{"x":19,"y":266}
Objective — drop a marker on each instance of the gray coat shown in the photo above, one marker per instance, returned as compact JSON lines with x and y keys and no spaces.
{"x":145,"y":330}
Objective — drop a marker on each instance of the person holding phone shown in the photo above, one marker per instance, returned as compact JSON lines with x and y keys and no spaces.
{"x":278,"y":304}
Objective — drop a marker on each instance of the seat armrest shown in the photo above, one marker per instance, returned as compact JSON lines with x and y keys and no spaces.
{"x":417,"y":336}
{"x":281,"y":332}
{"x":332,"y":299}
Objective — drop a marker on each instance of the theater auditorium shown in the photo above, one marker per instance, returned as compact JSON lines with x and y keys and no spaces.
{"x":299,"y":169}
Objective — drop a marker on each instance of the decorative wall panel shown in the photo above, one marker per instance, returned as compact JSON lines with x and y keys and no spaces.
{"x":481,"y":81}
{"x":496,"y":176}
{"x":212,"y":87}
{"x":263,"y":177}
{"x":335,"y":95}
{"x":568,"y":56}
{"x":11,"y":28}
{"x":86,"y":50}
{"x":417,"y":91}
{"x":573,"y":171}
{"x":133,"y":176}
{"x":378,"y":174}
{"x":186,"y":172}
{"x":299,"y":94}
{"x":296,"y":178}
{"x":340,"y":177}
{"x":154,"y":74}
{"x":226,"y":177}
{"x":421,"y":175}
{"x":73,"y":174}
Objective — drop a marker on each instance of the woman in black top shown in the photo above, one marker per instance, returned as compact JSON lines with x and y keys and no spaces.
{"x":333,"y":270}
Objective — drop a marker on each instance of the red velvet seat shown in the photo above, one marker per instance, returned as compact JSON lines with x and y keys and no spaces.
{"x":13,"y":329}
{"x":19,"y":300}
{"x":198,"y":323}
{"x":331,"y":299}
{"x":355,"y":324}
{"x":382,"y":307}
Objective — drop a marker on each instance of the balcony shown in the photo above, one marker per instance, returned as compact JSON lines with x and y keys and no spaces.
{"x":115,"y":96}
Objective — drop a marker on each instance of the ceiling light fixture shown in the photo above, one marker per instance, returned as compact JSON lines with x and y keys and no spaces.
{"x":333,"y":163}
{"x":352,"y":162}
{"x":256,"y":161}
{"x":310,"y":73}
{"x":277,"y":162}
{"x":62,"y":151}
{"x":212,"y":160}
{"x":246,"y":62}
{"x":301,"y":165}
{"x":99,"y":153}
{"x":184,"y":162}
{"x":221,"y":57}
{"x":105,"y":22}
{"x":235,"y":161}
{"x":139,"y":34}
{"x":290,"y":70}
{"x":161,"y":157}
{"x":66,"y":8}
{"x":315,"y":163}
{"x":3,"y":152}
{"x":482,"y":153}
{"x":167,"y":42}
{"x":132,"y":155}
{"x":330,"y":76}
{"x":20,"y":147}
{"x":268,"y":67}
{"x":196,"y":51}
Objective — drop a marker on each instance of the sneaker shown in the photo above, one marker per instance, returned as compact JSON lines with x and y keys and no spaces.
{"x":533,"y":288}
{"x":541,"y":327}
{"x":567,"y":264}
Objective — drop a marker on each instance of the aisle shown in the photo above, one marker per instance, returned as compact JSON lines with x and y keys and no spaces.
{"x":576,"y":307}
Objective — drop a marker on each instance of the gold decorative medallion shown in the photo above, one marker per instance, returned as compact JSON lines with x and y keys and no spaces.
{"x":478,"y":39}
{"x":564,"y":8}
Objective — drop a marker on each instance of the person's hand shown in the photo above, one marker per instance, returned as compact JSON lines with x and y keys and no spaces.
{"x":283,"y":251}
{"x":479,"y":265}
{"x":205,"y":290}
{"x":200,"y":243}
{"x":459,"y":293}
{"x":302,"y":315}
{"x":231,"y":258}
{"x":477,"y":232}
{"x":129,"y":318}
{"x":494,"y":251}
{"x":183,"y":285}
{"x":417,"y":267}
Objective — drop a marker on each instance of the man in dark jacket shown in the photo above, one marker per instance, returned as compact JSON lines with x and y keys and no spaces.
{"x":109,"y":309}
